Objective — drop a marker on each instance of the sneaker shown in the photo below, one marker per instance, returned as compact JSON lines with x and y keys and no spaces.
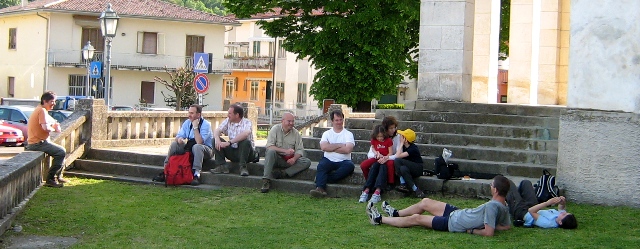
{"x":388,"y":209}
{"x":403,"y":188}
{"x":318,"y":193}
{"x":363,"y":197}
{"x":195,"y":181}
{"x":266,"y":185}
{"x":244,"y":171}
{"x":63,"y":180}
{"x":420,"y":194}
{"x":222,"y":169}
{"x":53,"y":183}
{"x":375,"y":198}
{"x":374,"y":215}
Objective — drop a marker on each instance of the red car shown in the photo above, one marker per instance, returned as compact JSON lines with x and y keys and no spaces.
{"x":10,"y":136}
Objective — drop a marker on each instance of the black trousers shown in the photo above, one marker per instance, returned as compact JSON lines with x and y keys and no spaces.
{"x":408,"y":170}
{"x":520,"y":199}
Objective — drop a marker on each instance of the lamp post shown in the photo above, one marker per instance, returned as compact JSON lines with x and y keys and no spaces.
{"x":108,"y":25}
{"x":87,"y":55}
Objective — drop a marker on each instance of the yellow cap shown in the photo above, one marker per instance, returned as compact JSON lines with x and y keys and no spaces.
{"x":408,"y":134}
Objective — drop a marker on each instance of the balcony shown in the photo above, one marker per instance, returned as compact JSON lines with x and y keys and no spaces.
{"x":249,"y":63}
{"x":136,"y":61}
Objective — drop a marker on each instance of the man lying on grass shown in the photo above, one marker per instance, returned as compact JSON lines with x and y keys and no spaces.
{"x":527,"y":212}
{"x":482,"y":220}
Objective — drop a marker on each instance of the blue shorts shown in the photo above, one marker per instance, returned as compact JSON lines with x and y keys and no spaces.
{"x":441,"y":223}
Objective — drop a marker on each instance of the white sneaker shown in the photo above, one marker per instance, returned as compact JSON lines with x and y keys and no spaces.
{"x":363,"y":197}
{"x":373,"y":214}
{"x":375,"y":198}
{"x":388,"y":208}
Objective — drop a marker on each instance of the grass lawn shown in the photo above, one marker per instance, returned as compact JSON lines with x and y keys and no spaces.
{"x":106,"y":214}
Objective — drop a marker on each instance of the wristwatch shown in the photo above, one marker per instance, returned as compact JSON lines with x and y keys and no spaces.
{"x":195,"y":128}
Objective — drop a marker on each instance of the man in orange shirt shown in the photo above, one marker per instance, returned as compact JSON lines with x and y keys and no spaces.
{"x":39,"y":126}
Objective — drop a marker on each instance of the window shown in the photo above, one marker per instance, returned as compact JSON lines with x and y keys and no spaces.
{"x":244,"y":88}
{"x":150,"y":43}
{"x":302,"y":93}
{"x":254,"y":90}
{"x":78,"y":83}
{"x":147,"y":92}
{"x":256,"y":48}
{"x":281,"y":52}
{"x":229,"y":87}
{"x":12,"y":38}
{"x":11,"y":86}
{"x":94,"y":35}
{"x":195,"y":44}
{"x":271,"y":49}
{"x":280,"y":91}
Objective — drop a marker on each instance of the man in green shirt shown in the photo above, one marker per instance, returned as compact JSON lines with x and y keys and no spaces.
{"x":284,"y":151}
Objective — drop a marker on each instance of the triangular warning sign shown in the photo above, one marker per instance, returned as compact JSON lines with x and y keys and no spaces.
{"x":201,"y":65}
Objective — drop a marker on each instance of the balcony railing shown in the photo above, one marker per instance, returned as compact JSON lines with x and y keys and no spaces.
{"x":250,"y":63}
{"x":136,"y":61}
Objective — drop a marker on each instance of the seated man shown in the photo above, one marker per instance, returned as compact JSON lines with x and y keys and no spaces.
{"x":240,"y":147}
{"x":197,"y":130}
{"x":39,"y":128}
{"x":483,"y":220}
{"x":284,"y":150}
{"x":337,"y":144}
{"x":525,"y":210}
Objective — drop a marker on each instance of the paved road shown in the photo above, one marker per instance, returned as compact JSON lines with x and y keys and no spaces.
{"x":9,"y":152}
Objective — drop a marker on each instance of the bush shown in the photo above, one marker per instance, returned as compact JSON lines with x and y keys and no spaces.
{"x":390,"y":106}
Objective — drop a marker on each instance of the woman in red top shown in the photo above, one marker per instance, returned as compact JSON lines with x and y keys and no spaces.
{"x":381,"y":144}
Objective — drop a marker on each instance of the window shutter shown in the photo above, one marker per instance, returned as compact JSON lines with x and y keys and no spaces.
{"x":140,"y":41}
{"x":160,"y":43}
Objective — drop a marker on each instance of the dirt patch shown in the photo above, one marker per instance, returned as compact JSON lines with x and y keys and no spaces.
{"x":33,"y":242}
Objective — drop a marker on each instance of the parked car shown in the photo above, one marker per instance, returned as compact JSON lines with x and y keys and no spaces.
{"x":10,"y":136}
{"x":122,"y":108}
{"x":60,"y":115}
{"x":16,"y":117}
{"x":161,"y":109}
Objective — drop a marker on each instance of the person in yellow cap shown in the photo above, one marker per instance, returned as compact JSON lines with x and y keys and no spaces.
{"x":408,"y":163}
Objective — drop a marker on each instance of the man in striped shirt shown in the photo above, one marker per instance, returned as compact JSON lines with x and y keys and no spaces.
{"x":240,"y":148}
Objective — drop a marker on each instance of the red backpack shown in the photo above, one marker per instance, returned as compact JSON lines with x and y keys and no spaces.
{"x":178,"y":170}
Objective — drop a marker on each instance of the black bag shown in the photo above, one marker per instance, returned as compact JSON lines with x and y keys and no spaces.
{"x":546,"y":187}
{"x":444,"y":170}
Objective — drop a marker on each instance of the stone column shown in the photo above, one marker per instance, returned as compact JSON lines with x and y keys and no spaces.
{"x":598,"y":150}
{"x":251,"y":112}
{"x":521,"y":61}
{"x":446,"y":56}
{"x":97,"y":118}
{"x":485,"y":51}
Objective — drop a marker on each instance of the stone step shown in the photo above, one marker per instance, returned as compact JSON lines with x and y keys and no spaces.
{"x":349,"y":187}
{"x":463,"y":140}
{"x":312,"y":146}
{"x":490,"y":130}
{"x":470,"y":118}
{"x":509,"y":109}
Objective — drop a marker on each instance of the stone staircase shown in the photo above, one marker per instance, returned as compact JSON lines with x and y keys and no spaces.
{"x":515,"y":141}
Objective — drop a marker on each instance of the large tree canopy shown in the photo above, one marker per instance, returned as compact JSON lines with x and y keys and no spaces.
{"x":361,"y":48}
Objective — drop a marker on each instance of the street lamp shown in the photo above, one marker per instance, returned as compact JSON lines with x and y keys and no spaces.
{"x":87,"y":55}
{"x":108,"y":25}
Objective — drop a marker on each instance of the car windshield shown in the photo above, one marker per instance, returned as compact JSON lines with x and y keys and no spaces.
{"x":59,"y":104}
{"x":28,"y":114}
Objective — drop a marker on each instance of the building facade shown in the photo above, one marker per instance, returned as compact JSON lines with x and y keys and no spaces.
{"x":153,"y":37}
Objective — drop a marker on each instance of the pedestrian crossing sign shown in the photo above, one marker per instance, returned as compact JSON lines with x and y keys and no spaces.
{"x":201,"y":62}
{"x":95,"y":70}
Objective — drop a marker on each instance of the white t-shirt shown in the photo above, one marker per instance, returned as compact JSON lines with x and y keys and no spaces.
{"x":332,"y":137}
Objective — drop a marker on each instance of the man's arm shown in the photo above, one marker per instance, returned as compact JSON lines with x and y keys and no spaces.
{"x":534,"y":210}
{"x":486,"y":231}
{"x":329,"y":147}
{"x":345,"y":148}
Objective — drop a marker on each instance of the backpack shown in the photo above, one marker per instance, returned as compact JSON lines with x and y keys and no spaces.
{"x":444,"y":170}
{"x":546,"y":187}
{"x":178,"y":170}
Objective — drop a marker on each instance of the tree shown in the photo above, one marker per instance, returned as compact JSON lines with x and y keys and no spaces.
{"x":210,"y":6}
{"x":180,"y":83}
{"x":362,"y":48}
{"x":505,"y":15}
{"x":8,"y":3}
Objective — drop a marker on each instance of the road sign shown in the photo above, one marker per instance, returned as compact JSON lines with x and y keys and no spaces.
{"x":201,"y":83}
{"x":95,"y":70}
{"x":201,"y":62}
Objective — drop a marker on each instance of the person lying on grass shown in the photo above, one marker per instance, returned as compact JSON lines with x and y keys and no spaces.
{"x":483,"y":220}
{"x":526,"y":211}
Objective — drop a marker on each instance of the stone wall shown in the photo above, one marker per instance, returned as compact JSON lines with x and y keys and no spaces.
{"x":599,"y":157}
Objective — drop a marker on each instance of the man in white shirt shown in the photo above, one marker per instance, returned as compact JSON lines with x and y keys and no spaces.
{"x":240,"y":148}
{"x":337,"y":144}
